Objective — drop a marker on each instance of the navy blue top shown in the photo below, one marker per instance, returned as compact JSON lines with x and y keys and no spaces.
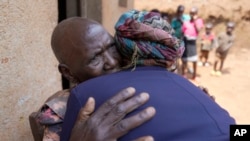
{"x":183,"y":111}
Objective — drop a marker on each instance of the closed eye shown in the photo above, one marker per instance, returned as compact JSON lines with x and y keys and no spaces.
{"x":96,"y":60}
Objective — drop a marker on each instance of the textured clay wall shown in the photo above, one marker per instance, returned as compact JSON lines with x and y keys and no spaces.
{"x":112,"y":10}
{"x":216,"y":11}
{"x":28,"y":69}
{"x":223,"y":9}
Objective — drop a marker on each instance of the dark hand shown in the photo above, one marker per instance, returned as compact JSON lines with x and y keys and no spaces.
{"x":205,"y":90}
{"x":107,"y":122}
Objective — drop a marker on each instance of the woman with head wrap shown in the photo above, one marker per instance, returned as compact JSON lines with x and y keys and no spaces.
{"x":144,"y":38}
{"x":149,"y":49}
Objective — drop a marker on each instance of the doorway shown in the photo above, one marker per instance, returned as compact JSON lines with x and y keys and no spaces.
{"x":85,"y":8}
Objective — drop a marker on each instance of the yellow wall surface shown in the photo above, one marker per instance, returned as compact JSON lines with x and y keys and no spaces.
{"x":112,"y":10}
{"x":28,"y":68}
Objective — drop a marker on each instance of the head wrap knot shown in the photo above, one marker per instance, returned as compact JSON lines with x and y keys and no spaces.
{"x":144,"y":38}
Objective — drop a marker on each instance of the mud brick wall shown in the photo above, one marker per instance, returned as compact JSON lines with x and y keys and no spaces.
{"x":28,"y":68}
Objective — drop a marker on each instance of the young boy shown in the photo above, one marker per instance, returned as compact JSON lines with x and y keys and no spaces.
{"x":225,"y":41}
{"x":207,"y":43}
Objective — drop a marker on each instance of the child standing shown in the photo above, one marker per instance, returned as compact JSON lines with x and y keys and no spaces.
{"x":178,"y":21}
{"x":225,"y":41}
{"x":191,"y":31}
{"x":207,"y":43}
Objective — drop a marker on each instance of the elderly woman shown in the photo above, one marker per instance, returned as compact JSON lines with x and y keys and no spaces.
{"x":144,"y":38}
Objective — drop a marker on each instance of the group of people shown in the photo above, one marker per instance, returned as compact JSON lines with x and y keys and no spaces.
{"x":137,"y":64}
{"x":192,"y":30}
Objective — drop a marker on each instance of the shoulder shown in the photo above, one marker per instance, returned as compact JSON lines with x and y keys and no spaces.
{"x":62,"y":94}
{"x":199,"y":22}
{"x":212,"y":34}
{"x":233,"y":37}
{"x":186,"y":23}
{"x":58,"y":102}
{"x":174,"y":19}
{"x":53,"y":110}
{"x":221,"y":35}
{"x":186,"y":17}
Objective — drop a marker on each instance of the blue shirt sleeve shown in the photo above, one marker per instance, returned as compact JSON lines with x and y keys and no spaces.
{"x":73,"y":107}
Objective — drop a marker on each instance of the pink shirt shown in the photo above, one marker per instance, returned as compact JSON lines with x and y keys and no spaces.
{"x":209,"y":37}
{"x":188,"y":27}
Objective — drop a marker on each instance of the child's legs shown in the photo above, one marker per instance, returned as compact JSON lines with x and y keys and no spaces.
{"x":178,"y":66}
{"x":194,"y":68}
{"x":183,"y":67}
{"x":206,"y":55}
{"x":222,"y":60}
{"x":202,"y":55}
{"x":217,"y":59}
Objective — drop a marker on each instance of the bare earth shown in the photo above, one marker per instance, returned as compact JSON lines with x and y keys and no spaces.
{"x":230,"y":89}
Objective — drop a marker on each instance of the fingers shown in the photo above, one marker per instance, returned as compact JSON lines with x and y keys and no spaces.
{"x":83,"y":116}
{"x":145,"y":138}
{"x":115,"y":100}
{"x":127,"y":124}
{"x":87,"y":110}
{"x":123,"y":108}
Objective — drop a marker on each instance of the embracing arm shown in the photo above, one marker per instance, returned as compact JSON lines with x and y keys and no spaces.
{"x":107,"y":122}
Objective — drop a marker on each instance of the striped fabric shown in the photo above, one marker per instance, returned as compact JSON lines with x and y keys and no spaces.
{"x":144,"y":38}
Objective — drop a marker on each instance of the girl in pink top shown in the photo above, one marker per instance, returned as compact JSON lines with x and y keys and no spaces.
{"x":191,"y":30}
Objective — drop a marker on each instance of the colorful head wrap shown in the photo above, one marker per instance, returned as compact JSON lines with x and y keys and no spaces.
{"x":144,"y":38}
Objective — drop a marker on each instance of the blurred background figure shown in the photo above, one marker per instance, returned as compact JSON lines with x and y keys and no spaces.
{"x":165,"y":16}
{"x":207,"y":44}
{"x":178,"y":20}
{"x":225,"y":41}
{"x":191,"y":31}
{"x":176,"y":24}
{"x":155,"y":10}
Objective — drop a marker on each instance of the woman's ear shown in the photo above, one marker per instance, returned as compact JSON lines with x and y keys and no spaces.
{"x":65,"y":71}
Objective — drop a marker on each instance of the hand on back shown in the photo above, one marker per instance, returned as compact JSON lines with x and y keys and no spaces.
{"x":107,"y":122}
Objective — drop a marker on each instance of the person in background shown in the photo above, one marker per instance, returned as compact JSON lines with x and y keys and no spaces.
{"x":225,"y":41}
{"x":207,"y":44}
{"x":165,"y":16}
{"x":176,"y":24}
{"x":178,"y":20}
{"x":191,"y":31}
{"x":155,"y":10}
{"x":149,"y":50}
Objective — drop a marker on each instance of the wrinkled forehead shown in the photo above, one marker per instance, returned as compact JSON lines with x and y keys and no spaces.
{"x":82,"y":31}
{"x":97,"y":33}
{"x":80,"y":34}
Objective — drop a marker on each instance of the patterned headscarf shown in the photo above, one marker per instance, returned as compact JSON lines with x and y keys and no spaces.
{"x":144,"y":38}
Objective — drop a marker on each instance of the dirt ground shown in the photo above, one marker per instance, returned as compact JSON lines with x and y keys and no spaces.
{"x":230,"y":89}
